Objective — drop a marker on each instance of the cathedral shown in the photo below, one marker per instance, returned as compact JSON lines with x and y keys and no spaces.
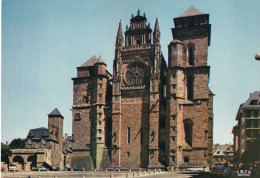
{"x":148,"y":113}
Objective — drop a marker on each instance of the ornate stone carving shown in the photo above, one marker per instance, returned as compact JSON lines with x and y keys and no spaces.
{"x":136,"y":74}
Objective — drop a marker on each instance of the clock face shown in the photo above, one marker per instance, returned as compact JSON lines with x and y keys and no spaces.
{"x":136,"y":74}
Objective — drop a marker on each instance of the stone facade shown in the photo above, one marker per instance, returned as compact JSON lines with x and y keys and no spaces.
{"x":223,"y":154}
{"x":147,"y":115}
{"x":43,"y":147}
{"x":91,"y":105}
{"x":248,"y":125}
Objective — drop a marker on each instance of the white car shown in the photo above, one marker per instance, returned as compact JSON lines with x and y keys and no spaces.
{"x":42,"y":168}
{"x":12,"y":167}
{"x":195,"y":168}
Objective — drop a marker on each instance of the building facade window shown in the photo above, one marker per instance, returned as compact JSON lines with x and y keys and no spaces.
{"x":188,"y":124}
{"x":162,"y":122}
{"x":248,"y":113}
{"x":190,"y":87}
{"x":77,"y":117}
{"x":186,"y":159}
{"x":128,"y":135}
{"x":256,"y":113}
{"x":191,"y":50}
{"x":248,"y":123}
{"x":206,"y":134}
{"x":86,"y":99}
{"x":253,"y":102}
{"x":255,"y":123}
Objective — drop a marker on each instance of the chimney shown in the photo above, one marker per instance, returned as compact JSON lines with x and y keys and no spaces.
{"x":66,"y":136}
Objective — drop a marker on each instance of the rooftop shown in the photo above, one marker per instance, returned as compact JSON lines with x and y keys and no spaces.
{"x":192,"y":11}
{"x":90,"y":62}
{"x":39,"y":133}
{"x":55,"y":112}
{"x":253,"y":101}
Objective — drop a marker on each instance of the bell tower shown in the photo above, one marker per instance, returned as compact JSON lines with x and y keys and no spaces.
{"x":190,"y":118}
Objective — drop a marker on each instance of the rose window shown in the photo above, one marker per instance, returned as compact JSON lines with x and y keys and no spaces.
{"x":136,"y":74}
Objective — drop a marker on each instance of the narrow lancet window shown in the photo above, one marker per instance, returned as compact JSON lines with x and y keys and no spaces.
{"x":191,"y":54}
{"x":188,"y":124}
{"x":190,"y":87}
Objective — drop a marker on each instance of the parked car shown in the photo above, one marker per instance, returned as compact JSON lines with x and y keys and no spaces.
{"x":114,"y":168}
{"x":219,"y":169}
{"x":78,"y":169}
{"x":42,"y":168}
{"x":67,"y":169}
{"x":13,"y":167}
{"x":57,"y":169}
{"x":195,"y":168}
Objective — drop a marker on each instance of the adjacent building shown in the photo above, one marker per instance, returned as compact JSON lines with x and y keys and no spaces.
{"x":44,"y":147}
{"x":148,"y":114}
{"x":248,"y":125}
{"x":223,"y":154}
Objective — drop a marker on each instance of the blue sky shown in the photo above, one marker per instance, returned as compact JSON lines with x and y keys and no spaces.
{"x":43,"y":41}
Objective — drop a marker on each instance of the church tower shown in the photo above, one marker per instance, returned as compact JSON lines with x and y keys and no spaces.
{"x":91,"y":105}
{"x":55,"y":126}
{"x":137,"y":70}
{"x":190,"y":118}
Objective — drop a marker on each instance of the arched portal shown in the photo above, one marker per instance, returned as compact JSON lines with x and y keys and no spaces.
{"x":19,"y":161}
{"x":31,"y":160}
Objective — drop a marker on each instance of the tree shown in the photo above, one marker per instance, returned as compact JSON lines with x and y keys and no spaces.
{"x":17,"y":143}
{"x":5,"y":153}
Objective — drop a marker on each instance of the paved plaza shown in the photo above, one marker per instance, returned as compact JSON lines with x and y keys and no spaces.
{"x":100,"y":174}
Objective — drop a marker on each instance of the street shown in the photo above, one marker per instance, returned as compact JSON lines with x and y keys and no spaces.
{"x":97,"y":174}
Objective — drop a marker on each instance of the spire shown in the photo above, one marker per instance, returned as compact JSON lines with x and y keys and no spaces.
{"x":119,"y":37}
{"x":100,"y":59}
{"x":156,"y":32}
{"x":55,"y":112}
{"x":138,"y":12}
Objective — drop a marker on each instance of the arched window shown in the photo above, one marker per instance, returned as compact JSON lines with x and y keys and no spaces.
{"x":190,"y":87}
{"x":188,"y":124}
{"x":191,"y":50}
{"x":186,"y":159}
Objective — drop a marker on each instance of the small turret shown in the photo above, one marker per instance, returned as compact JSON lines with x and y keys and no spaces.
{"x":100,"y":67}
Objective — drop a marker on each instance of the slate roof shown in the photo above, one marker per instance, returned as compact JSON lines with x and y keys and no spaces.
{"x":100,"y":60}
{"x":224,"y":149}
{"x":253,"y":101}
{"x":55,"y":112}
{"x":192,"y":11}
{"x":67,"y":145}
{"x":69,"y":138}
{"x":39,"y":133}
{"x":90,"y":62}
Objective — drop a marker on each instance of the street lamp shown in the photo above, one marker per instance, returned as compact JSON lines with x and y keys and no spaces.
{"x":257,"y":56}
